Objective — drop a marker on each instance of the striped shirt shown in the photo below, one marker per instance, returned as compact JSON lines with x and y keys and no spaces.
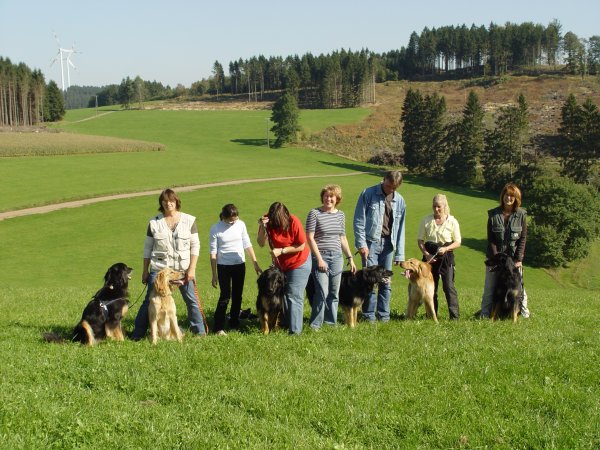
{"x":328,"y":227}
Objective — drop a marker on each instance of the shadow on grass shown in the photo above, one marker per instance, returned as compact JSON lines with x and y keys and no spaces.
{"x":356,"y":167}
{"x":252,"y":142}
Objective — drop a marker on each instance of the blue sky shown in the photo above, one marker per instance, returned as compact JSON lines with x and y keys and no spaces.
{"x":178,"y":41}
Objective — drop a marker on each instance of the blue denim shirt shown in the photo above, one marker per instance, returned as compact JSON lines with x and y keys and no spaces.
{"x":368,"y":219}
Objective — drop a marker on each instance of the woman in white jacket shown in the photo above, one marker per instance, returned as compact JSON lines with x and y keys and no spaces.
{"x":171,"y":241}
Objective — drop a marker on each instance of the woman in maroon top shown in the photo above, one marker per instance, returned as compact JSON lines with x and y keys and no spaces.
{"x":290,"y":252}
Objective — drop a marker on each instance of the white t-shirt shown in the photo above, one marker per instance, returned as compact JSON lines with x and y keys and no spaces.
{"x":228,"y":242}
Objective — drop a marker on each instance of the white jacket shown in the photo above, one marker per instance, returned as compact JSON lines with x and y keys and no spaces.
{"x":166,"y":248}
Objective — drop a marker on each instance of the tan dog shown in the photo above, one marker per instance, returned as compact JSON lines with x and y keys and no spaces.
{"x":420,"y":288}
{"x":161,"y":311}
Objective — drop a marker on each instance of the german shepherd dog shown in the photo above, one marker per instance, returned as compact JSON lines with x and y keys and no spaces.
{"x":421,"y":287}
{"x":162,"y":313}
{"x":508,"y":290}
{"x":355,"y":288}
{"x":270,"y":298}
{"x":102,"y":316}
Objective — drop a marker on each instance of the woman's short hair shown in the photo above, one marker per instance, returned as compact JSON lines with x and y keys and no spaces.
{"x":229,"y":211}
{"x":442,"y":200}
{"x":514,"y":191}
{"x":168,"y":195}
{"x":332,"y":189}
{"x":393,"y":176}
{"x":279,"y":216}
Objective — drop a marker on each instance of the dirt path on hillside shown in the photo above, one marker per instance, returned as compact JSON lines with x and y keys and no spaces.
{"x":105,"y":198}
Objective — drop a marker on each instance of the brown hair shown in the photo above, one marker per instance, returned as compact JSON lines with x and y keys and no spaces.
{"x":394,"y":177}
{"x":332,"y":189}
{"x":513,"y":190}
{"x":228,"y":211}
{"x":279,"y":216}
{"x":169,"y":195}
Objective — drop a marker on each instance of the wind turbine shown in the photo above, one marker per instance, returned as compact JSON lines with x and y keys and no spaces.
{"x":64,"y":59}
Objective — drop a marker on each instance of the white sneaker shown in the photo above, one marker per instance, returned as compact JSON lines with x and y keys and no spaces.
{"x":221,"y":333}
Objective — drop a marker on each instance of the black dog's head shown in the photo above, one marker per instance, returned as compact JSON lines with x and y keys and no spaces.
{"x":375,"y":274}
{"x":271,"y":281}
{"x":117,"y":276}
{"x":501,"y":262}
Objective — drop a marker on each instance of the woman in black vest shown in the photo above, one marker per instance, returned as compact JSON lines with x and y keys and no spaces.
{"x":506,"y":233}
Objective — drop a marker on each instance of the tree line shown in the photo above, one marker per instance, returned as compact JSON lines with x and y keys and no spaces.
{"x":25,"y":99}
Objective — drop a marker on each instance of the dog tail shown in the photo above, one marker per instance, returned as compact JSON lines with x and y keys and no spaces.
{"x":53,"y":337}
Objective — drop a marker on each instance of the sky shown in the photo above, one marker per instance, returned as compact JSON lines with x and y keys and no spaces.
{"x":177,"y":41}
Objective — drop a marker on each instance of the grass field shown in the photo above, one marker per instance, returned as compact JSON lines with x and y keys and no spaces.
{"x":471,"y":384}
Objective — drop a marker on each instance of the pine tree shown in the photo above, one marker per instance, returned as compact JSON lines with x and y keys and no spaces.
{"x":285,"y":117}
{"x":468,"y":140}
{"x":412,"y":131}
{"x":54,"y":104}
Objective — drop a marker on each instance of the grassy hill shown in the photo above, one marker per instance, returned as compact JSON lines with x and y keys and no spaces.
{"x":397,"y":385}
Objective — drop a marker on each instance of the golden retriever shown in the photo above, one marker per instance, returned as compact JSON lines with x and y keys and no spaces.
{"x":420,"y":288}
{"x":162,"y":313}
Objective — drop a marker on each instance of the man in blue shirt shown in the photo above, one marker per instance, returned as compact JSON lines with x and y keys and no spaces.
{"x":379,"y":237}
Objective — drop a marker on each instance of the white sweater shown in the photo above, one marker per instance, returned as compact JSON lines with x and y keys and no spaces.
{"x":228,"y":242}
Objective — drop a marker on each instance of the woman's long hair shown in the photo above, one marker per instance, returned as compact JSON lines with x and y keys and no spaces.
{"x":279,"y":216}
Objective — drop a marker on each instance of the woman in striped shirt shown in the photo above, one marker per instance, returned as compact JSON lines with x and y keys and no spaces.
{"x":326,"y":237}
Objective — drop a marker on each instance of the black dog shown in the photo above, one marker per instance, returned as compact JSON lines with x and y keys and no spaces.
{"x":102,"y":316}
{"x":269,"y":301}
{"x":354,"y":289}
{"x":509,"y":287}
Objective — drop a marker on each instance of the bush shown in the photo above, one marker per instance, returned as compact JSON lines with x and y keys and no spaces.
{"x":386,"y":158}
{"x":565,"y":221}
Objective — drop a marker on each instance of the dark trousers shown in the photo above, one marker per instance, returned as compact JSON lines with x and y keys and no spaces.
{"x":444,"y":269}
{"x":231,"y":281}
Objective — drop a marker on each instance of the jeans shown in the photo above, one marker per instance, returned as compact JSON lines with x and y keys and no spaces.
{"x":488,"y":295}
{"x":189,"y":296}
{"x":295,"y":284}
{"x":381,"y":253}
{"x":327,"y":288}
{"x":231,"y":281}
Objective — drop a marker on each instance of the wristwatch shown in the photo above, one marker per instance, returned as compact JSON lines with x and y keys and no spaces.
{"x":283,"y":250}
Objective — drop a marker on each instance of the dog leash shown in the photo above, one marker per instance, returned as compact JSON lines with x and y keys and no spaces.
{"x":200,"y":307}
{"x":433,"y":256}
{"x":139,"y":296}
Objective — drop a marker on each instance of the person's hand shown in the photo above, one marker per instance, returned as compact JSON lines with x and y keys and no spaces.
{"x":323,"y":267}
{"x":518,"y":263}
{"x":263,"y":220}
{"x":215,"y":281}
{"x":145,"y":276}
{"x":190,"y":275}
{"x":441,"y":251}
{"x":257,"y":268}
{"x":352,"y":266}
{"x":397,"y":263}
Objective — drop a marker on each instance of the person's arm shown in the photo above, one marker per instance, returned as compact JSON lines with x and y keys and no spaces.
{"x":261,"y":236}
{"x":520,"y":250}
{"x":250,"y":252}
{"x":213,"y":266}
{"x":312,"y":244}
{"x":346,"y":250}
{"x":148,"y":246}
{"x":190,"y":274}
{"x":399,"y":255}
{"x":456,"y":239}
{"x":490,"y":237}
{"x":360,"y":240}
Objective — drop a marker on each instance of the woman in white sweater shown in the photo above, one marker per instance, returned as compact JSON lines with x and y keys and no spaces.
{"x":228,"y":239}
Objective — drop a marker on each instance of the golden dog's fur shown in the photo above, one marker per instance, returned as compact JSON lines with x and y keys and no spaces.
{"x":420,"y":288}
{"x":162,"y":313}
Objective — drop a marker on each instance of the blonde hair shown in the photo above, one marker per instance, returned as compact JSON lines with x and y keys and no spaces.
{"x":442,"y":200}
{"x":332,"y":189}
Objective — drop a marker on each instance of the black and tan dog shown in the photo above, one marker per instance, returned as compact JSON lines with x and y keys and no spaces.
{"x":162,"y":313}
{"x":421,"y":287}
{"x":102,"y":316}
{"x":508,"y":290}
{"x":270,"y":298}
{"x":355,"y":288}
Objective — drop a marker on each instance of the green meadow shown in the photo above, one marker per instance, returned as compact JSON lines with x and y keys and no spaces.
{"x":471,"y":384}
